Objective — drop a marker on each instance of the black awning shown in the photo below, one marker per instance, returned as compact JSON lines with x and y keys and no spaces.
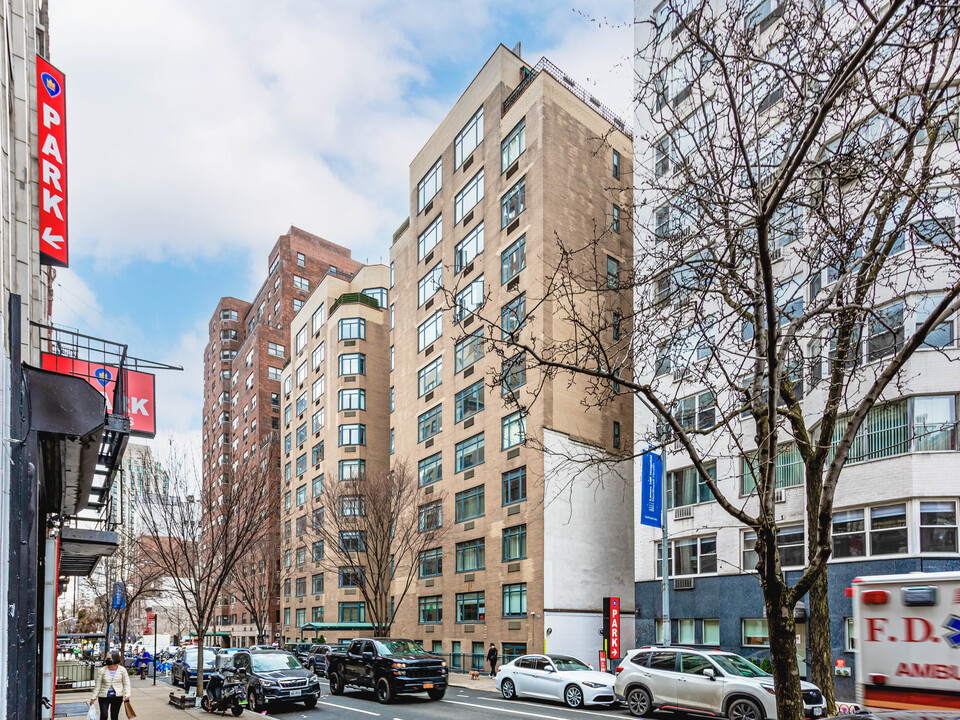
{"x":82,"y":548}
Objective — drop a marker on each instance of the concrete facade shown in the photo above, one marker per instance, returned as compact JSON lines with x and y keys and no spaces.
{"x":570,"y":191}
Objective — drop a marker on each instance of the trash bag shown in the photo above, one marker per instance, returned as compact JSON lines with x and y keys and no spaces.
{"x":94,"y":712}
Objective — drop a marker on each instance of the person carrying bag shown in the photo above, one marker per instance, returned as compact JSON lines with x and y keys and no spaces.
{"x":112,"y":688}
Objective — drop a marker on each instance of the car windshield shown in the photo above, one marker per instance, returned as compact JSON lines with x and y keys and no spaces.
{"x":736,"y":665}
{"x":275,"y":661}
{"x":399,"y":647}
{"x":190,"y":656}
{"x":565,"y":662}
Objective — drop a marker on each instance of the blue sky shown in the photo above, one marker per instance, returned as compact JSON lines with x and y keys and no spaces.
{"x":200,"y":130}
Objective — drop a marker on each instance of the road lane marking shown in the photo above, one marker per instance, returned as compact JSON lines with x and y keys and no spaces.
{"x":505,"y":710}
{"x":550,"y":707}
{"x":347,"y":707}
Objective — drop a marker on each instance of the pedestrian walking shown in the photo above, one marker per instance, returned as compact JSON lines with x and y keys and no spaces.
{"x":492,"y":659}
{"x":112,"y":688}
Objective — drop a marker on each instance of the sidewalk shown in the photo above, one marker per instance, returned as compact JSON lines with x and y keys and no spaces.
{"x":150,"y":702}
{"x":484,"y":682}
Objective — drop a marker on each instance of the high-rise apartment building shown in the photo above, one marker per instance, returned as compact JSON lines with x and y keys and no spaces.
{"x":896,"y":505}
{"x":142,"y":482}
{"x":243,"y":362}
{"x":522,"y":162}
{"x":335,"y":429}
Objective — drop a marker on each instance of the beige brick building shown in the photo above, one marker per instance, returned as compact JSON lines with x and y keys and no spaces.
{"x":334,"y":426}
{"x":523,"y":159}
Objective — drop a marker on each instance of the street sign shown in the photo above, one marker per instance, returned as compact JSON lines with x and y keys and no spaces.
{"x":651,"y":480}
{"x":603,"y":662}
{"x":119,"y":596}
{"x":52,"y":173}
{"x":151,"y":623}
{"x":611,"y":626}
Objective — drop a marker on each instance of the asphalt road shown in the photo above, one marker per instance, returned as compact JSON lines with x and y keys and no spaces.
{"x":457,"y":704}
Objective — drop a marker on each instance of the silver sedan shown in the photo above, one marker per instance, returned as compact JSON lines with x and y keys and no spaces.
{"x":555,"y":677}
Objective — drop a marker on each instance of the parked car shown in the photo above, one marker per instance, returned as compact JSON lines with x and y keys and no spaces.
{"x":275,"y":676}
{"x":300,"y":649}
{"x":183,"y":669}
{"x":316,"y":658}
{"x":389,"y":666}
{"x":555,"y":677}
{"x":706,"y":682}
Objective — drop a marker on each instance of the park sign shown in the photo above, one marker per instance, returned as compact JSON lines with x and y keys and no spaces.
{"x":139,"y":388}
{"x":52,"y":158}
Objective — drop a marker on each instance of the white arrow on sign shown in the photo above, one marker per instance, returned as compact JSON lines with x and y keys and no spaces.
{"x":54,"y":240}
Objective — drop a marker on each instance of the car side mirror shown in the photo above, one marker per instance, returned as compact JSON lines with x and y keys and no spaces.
{"x":710,"y":673}
{"x":367,"y":655}
{"x":551,"y":669}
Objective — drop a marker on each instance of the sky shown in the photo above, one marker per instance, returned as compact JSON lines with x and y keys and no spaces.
{"x":199,"y":131}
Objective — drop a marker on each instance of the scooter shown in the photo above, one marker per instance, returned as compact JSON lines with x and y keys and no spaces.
{"x":224,"y":691}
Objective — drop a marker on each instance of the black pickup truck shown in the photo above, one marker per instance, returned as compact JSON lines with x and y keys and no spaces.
{"x":388,"y":666}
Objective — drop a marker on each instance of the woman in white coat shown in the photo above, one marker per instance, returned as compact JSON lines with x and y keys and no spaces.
{"x":112,"y":687}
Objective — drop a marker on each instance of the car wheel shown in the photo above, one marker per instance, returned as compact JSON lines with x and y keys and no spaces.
{"x":336,"y":684}
{"x":436,"y":693}
{"x":573,"y":696}
{"x":743,"y":709}
{"x":638,"y":702}
{"x":384,"y":691}
{"x":252,"y":704}
{"x":507,"y":689}
{"x":310,"y":702}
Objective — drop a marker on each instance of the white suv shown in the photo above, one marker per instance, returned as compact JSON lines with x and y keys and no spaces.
{"x":708,"y":682}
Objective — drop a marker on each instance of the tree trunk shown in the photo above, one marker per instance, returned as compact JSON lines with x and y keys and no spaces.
{"x":199,"y":663}
{"x":821,"y":656}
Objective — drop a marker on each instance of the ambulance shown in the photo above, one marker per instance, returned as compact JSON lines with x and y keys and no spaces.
{"x":908,"y":640}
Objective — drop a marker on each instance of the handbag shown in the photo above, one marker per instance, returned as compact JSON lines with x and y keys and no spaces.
{"x":93,"y":713}
{"x":128,"y":709}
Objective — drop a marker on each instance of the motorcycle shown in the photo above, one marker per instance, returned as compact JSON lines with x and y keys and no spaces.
{"x":225,"y":691}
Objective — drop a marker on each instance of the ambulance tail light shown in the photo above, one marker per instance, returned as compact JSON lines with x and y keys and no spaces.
{"x":875,"y":597}
{"x":878,"y":679}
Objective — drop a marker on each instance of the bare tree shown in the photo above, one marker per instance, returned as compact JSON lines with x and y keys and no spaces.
{"x":198,"y":532}
{"x":373,"y":530}
{"x":254,"y":581}
{"x":795,"y":248}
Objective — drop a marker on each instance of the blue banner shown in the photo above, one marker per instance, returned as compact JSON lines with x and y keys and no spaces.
{"x":119,"y":596}
{"x":651,"y":493}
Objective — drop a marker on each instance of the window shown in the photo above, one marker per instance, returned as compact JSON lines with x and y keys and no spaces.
{"x":468,"y":248}
{"x":616,"y":435}
{"x":686,"y":487}
{"x":228,"y":335}
{"x":431,"y":563}
{"x":469,"y":504}
{"x":429,"y":284}
{"x":885,"y":335}
{"x":468,"y":402}
{"x":273,"y":373}
{"x":229,"y":315}
{"x":888,"y":529}
{"x":429,"y":424}
{"x":613,"y":272}
{"x":616,"y":164}
{"x":849,"y":534}
{"x":287,"y":500}
{"x":353,"y":506}
{"x":429,"y":377}
{"x":302,"y":464}
{"x":468,"y":453}
{"x":353,"y":541}
{"x":468,"y":198}
{"x":429,"y":238}
{"x":938,"y":526}
{"x":352,"y":329}
{"x":351,"y":612}
{"x":353,"y":364}
{"x":317,"y":421}
{"x":301,"y":434}
{"x":934,"y":423}
{"x":513,"y":374}
{"x":711,"y":632}
{"x":275,"y":349}
{"x":513,"y":203}
{"x":429,"y":186}
{"x":301,"y":339}
{"x":470,"y":607}
{"x":515,"y":543}
{"x":317,"y":584}
{"x":301,"y":403}
{"x":942,"y":335}
{"x":849,"y":635}
{"x":317,"y":389}
{"x":690,"y":556}
{"x":469,"y":299}
{"x":301,"y":260}
{"x":468,"y":351}
{"x":378,"y":293}
{"x":790,"y":542}
{"x":789,"y":471}
{"x":514,"y":485}
{"x":319,"y":317}
{"x":353,"y":434}
{"x":317,"y":486}
{"x":467,"y":139}
{"x":352,"y":469}
{"x":754,"y":632}
{"x":301,"y":495}
{"x":515,"y":600}
{"x":429,"y":470}
{"x":286,"y":610}
{"x":316,"y":518}
{"x":301,"y":283}
{"x":392,"y":406}
{"x":352,"y":399}
{"x":513,"y":430}
{"x":615,"y":223}
{"x":513,"y":315}
{"x":513,"y":146}
{"x":470,"y":555}
{"x":317,"y":551}
{"x":429,"y":331}
{"x":513,"y":259}
{"x":301,"y":591}
{"x":430,"y":516}
{"x":430,"y":610}
{"x":317,"y":356}
{"x":316,"y":453}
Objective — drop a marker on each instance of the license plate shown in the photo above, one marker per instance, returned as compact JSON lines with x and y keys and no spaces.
{"x":294,"y":693}
{"x":817,"y":711}
{"x":427,"y":686}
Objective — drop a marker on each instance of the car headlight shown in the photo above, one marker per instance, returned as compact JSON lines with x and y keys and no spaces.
{"x":768,"y":688}
{"x":594,"y":685}
{"x":269,"y":683}
{"x":443,"y":663}
{"x":399,"y":665}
